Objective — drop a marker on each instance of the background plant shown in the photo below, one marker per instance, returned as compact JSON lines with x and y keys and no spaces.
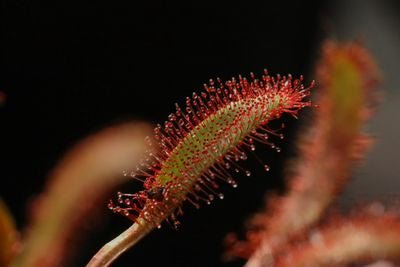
{"x":331,"y":146}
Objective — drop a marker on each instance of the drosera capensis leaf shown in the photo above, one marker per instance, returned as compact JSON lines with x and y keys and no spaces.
{"x":8,"y":235}
{"x":198,"y":145}
{"x":329,"y":148}
{"x":76,"y":187}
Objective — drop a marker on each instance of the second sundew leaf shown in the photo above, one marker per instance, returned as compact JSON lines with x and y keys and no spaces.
{"x":197,"y":147}
{"x":328,"y":149}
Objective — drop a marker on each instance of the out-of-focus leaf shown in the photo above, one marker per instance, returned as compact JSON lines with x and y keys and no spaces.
{"x":76,"y":187}
{"x":8,"y":235}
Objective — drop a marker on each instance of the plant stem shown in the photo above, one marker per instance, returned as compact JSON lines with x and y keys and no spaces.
{"x":110,"y":251}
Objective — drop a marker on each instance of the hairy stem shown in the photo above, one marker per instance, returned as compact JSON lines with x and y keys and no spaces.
{"x":110,"y":251}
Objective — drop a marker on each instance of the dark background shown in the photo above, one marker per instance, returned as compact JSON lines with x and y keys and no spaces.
{"x":69,"y":69}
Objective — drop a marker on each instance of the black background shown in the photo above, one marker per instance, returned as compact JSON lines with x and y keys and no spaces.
{"x":69,"y":69}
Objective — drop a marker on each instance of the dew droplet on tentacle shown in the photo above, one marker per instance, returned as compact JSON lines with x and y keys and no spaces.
{"x":266,"y":167}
